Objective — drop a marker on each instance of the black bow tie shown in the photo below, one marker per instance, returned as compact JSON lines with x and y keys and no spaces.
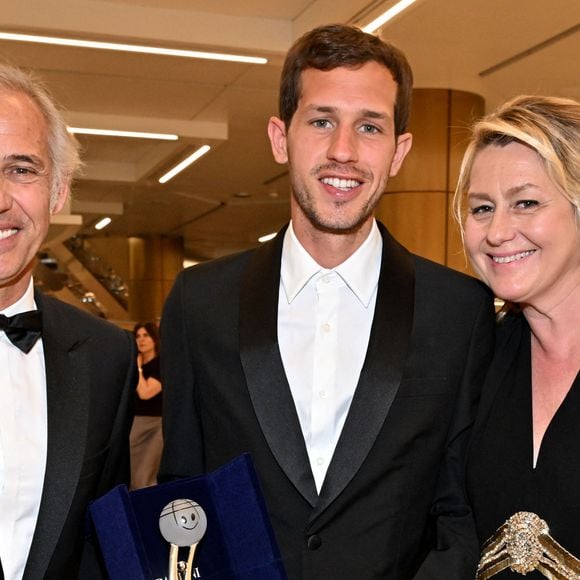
{"x":23,"y":329}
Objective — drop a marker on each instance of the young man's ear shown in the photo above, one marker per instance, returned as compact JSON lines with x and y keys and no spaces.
{"x":404,"y":143}
{"x":277,"y":134}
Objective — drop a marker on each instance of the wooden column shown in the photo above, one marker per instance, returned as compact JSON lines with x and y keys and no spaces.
{"x":154,"y":262}
{"x":417,"y":205}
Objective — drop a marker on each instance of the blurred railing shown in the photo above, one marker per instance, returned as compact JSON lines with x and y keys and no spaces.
{"x":104,"y":273}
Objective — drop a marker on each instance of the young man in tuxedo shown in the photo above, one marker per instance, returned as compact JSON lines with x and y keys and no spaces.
{"x":67,"y":377}
{"x":347,"y":366}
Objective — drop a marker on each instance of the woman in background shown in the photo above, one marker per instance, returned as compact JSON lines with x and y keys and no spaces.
{"x":146,"y":435}
{"x":518,"y":201}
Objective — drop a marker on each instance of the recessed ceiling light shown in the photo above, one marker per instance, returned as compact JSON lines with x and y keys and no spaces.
{"x":131,"y":48}
{"x":185,"y":163}
{"x":115,"y":133}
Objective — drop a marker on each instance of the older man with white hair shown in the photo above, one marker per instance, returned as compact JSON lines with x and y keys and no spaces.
{"x":67,"y":377}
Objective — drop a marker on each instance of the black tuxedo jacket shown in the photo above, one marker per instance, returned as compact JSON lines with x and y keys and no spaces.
{"x":225,"y":392}
{"x":90,"y":380}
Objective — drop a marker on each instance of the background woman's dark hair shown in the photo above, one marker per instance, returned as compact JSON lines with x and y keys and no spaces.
{"x":338,"y":45}
{"x":152,"y":331}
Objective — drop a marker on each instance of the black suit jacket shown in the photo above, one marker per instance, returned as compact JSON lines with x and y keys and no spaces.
{"x":226,"y":393}
{"x":90,"y":379}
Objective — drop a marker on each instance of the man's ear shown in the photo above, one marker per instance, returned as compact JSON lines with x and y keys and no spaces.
{"x":404,"y":143}
{"x":58,"y":199}
{"x":278,"y":141}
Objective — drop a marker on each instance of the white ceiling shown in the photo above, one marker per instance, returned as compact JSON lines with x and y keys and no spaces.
{"x":236,"y":192}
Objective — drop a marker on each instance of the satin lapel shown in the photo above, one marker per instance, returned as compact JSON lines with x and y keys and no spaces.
{"x":381,"y":372}
{"x":508,"y":339}
{"x":67,"y":380}
{"x":263,"y":368}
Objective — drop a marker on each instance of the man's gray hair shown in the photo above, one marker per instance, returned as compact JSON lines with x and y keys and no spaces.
{"x":63,"y":148}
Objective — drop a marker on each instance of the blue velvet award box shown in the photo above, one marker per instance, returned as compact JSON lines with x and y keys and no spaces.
{"x":239,"y":543}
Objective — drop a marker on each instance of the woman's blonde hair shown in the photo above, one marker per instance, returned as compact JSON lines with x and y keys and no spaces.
{"x":548,"y":125}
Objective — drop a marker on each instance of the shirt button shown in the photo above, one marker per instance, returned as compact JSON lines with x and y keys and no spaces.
{"x":326,"y":279}
{"x":326,"y":327}
{"x":323,"y":394}
{"x":320,"y":461}
{"x":314,"y":542}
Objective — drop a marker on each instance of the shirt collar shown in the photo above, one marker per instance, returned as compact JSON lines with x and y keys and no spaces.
{"x":23,"y":304}
{"x":360,"y":271}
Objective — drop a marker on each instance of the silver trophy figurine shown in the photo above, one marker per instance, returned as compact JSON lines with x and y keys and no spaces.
{"x":182,"y":523}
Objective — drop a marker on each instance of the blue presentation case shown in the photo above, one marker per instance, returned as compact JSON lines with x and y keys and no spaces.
{"x":239,"y":543}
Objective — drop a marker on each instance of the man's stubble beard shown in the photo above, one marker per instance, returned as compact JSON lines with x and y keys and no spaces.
{"x":335,"y":225}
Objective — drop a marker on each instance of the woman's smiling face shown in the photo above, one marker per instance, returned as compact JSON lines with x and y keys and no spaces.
{"x":521,"y":233}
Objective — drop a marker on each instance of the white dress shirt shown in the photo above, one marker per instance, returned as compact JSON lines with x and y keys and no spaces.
{"x":324,"y":324}
{"x":23,"y":435}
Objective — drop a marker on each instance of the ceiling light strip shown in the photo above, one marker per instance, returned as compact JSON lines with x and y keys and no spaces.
{"x":131,"y":48}
{"x":102,"y":223}
{"x":267,"y":237}
{"x":184,"y":164}
{"x":387,"y":15}
{"x":115,"y":133}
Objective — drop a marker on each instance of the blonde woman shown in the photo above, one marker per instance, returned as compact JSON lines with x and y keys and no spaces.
{"x":518,"y":201}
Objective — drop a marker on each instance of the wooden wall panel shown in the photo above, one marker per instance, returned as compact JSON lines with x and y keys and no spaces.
{"x":417,"y":205}
{"x":417,"y":220}
{"x":425,"y":168}
{"x":154,"y":264}
{"x":465,"y":109}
